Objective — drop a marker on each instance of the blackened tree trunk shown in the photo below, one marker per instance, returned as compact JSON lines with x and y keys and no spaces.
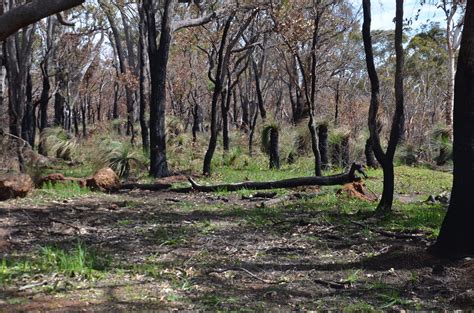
{"x":244,"y":102}
{"x":158,"y":56}
{"x":456,"y":238}
{"x":44,"y":98}
{"x":346,"y":149}
{"x":225,"y":96}
{"x":59,"y":100}
{"x":323,"y":145}
{"x":337,"y":99}
{"x":223,"y":57}
{"x":261,"y":103}
{"x":299,"y":110}
{"x":197,"y":115}
{"x":385,"y":158}
{"x":218,"y":81}
{"x":84,"y":107}
{"x":252,"y":129}
{"x":28,"y":128}
{"x":141,"y":62}
{"x":75,"y":117}
{"x":274,"y":151}
{"x":3,"y":76}
{"x":369,"y":154}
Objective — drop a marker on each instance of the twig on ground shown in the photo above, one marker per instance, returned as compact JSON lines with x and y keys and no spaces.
{"x":64,"y":223}
{"x":33,"y":285}
{"x":333,"y":284}
{"x":270,"y":282}
{"x":389,"y":234}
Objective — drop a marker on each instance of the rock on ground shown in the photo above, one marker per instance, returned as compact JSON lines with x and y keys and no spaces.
{"x":357,"y":190}
{"x":104,"y":180}
{"x":15,"y":185}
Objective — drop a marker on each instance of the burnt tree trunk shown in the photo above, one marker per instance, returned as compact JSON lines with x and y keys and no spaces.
{"x":158,"y":56}
{"x":141,"y":63}
{"x":323,"y":145}
{"x":346,"y":149}
{"x":385,"y":158}
{"x":225,"y":96}
{"x":261,"y":105}
{"x":274,"y":150}
{"x":369,"y":154}
{"x":218,"y":87}
{"x":44,"y":98}
{"x":29,"y":118}
{"x":456,"y":237}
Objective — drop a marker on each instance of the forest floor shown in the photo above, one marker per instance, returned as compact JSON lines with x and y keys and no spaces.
{"x":196,"y":251}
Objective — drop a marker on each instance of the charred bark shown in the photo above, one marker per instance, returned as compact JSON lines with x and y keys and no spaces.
{"x":274,"y":149}
{"x":141,"y":63}
{"x":456,"y":238}
{"x":323,"y":145}
{"x":385,"y":158}
{"x":218,"y":87}
{"x":158,"y":56}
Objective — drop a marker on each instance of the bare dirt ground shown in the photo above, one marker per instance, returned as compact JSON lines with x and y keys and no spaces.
{"x":205,"y":251}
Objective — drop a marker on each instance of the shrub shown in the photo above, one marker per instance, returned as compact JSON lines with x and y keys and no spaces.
{"x":59,"y":142}
{"x":442,"y":142}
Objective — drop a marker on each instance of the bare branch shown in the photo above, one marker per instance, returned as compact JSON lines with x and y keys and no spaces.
{"x":62,"y":21}
{"x":32,"y":12}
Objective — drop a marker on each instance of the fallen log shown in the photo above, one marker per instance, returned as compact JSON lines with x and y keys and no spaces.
{"x":339,"y":179}
{"x":150,"y":187}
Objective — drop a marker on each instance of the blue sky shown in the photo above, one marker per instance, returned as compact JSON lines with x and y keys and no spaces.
{"x":383,"y":12}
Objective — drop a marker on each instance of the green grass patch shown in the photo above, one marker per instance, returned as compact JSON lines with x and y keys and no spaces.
{"x":174,"y":236}
{"x":78,"y":261}
{"x":63,"y":190}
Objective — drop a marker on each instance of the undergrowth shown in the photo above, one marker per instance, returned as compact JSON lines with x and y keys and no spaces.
{"x":78,"y":261}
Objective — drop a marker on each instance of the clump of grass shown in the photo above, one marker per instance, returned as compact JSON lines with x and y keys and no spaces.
{"x":442,"y":142}
{"x":339,"y":141}
{"x":121,"y":157}
{"x":408,"y":154}
{"x":64,"y":190}
{"x":231,"y":157}
{"x":79,"y":261}
{"x":302,"y":139}
{"x":265,"y":137}
{"x":59,"y":142}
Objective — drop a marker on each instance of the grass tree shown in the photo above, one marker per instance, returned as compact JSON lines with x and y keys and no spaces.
{"x":270,"y":134}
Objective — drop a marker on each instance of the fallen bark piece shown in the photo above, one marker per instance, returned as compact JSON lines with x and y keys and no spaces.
{"x":13,"y":186}
{"x":273,"y":202}
{"x":339,"y":179}
{"x":53,"y":179}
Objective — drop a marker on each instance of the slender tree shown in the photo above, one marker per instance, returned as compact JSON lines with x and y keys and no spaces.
{"x":385,"y":158}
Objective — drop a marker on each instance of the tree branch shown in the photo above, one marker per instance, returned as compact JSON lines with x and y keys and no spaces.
{"x":196,"y":21}
{"x":30,"y":13}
